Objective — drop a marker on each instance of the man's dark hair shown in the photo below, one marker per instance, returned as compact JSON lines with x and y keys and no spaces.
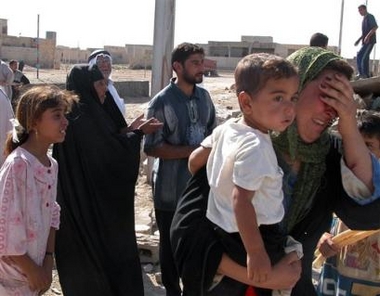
{"x":182,"y":52}
{"x":319,"y":39}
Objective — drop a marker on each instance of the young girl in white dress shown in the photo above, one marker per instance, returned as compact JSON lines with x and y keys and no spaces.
{"x":29,"y":213}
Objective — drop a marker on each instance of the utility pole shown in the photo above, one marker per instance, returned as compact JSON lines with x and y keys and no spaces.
{"x":38,"y":45}
{"x":163,"y":44}
{"x":341,"y":28}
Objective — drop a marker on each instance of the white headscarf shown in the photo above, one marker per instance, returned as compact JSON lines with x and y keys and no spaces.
{"x":111,"y":88}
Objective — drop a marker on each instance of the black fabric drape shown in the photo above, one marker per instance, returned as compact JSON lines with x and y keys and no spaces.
{"x":197,"y":250}
{"x":96,"y":250}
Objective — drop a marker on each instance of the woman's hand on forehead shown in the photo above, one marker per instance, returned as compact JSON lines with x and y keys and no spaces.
{"x":339,"y":94}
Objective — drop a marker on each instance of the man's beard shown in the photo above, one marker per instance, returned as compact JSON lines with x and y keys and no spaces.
{"x":192,"y":79}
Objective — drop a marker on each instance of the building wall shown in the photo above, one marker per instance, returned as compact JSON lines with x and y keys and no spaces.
{"x":139,"y":56}
{"x":69,"y":55}
{"x":28,"y":55}
{"x":30,"y":50}
{"x":228,"y":53}
{"x":37,"y":52}
{"x":118,"y":53}
{"x":49,"y":55}
{"x":260,"y":39}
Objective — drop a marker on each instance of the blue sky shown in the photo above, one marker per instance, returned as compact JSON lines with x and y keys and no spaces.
{"x":112,"y":22}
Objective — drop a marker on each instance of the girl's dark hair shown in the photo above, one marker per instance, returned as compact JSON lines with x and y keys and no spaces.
{"x":254,"y":70}
{"x":30,"y":107}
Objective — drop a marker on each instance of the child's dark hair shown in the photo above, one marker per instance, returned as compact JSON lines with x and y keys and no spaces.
{"x":30,"y":107}
{"x":369,"y":123}
{"x":254,"y":70}
{"x":182,"y":52}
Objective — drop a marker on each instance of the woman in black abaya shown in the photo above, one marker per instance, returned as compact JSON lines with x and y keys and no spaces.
{"x":96,"y":249}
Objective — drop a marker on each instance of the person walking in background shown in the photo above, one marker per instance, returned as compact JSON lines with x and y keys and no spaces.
{"x":103,"y":59}
{"x":18,"y":81}
{"x":29,"y":213}
{"x":21,"y":65}
{"x":6,"y":113}
{"x":96,"y":248}
{"x":368,"y":39}
{"x":242,"y":169}
{"x":354,"y":269}
{"x":6,"y":79}
{"x":319,"y":39}
{"x":188,"y":115}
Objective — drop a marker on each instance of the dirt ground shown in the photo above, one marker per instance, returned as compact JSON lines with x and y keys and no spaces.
{"x":225,"y":102}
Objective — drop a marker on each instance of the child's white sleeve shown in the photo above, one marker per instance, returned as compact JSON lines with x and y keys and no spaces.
{"x":207,"y":142}
{"x":355,"y":188}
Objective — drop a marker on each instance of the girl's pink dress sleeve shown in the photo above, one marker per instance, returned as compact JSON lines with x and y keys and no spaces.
{"x":13,"y":238}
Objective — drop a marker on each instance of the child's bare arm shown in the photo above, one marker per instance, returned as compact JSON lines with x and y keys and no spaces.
{"x":48,"y":262}
{"x":258,"y":263}
{"x":39,"y":277}
{"x":198,"y":158}
{"x":50,"y":246}
{"x":36,"y":275}
{"x":285,"y":273}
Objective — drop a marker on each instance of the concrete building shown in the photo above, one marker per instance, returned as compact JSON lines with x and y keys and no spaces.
{"x":45,"y":53}
{"x":228,"y":53}
{"x":139,"y":56}
{"x":37,"y":52}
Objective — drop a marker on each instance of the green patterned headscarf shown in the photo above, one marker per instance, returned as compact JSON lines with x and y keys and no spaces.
{"x":310,"y":62}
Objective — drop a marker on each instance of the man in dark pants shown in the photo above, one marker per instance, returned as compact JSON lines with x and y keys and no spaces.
{"x":368,"y":38}
{"x":188,"y":115}
{"x":18,"y":81}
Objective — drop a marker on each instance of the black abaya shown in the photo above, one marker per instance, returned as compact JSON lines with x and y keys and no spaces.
{"x":96,"y":249}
